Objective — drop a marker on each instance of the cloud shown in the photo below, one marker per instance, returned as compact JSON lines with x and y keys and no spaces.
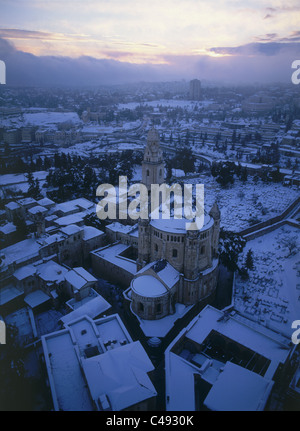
{"x":268,"y":48}
{"x":256,"y":62}
{"x":12,"y":33}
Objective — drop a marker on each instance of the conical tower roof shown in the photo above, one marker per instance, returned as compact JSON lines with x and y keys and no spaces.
{"x":215,"y":211}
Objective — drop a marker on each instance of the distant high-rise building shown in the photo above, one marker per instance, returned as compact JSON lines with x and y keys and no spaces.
{"x":195,"y":89}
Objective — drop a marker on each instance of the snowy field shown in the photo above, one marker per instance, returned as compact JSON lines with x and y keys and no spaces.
{"x":49,"y":118}
{"x":18,"y":182}
{"x":171,"y":103}
{"x":40,"y":119}
{"x":271,"y":295}
{"x":84,"y":149}
{"x":242,"y":202}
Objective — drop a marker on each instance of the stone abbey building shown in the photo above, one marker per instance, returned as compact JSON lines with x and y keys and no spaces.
{"x":174,"y":265}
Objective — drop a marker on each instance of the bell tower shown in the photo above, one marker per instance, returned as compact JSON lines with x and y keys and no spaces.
{"x":153,"y":169}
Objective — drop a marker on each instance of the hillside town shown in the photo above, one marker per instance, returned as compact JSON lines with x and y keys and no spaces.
{"x":144,"y":314}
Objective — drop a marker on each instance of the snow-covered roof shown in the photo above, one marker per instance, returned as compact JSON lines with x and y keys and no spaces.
{"x":112,"y":255}
{"x":90,"y":232}
{"x":178,"y":226}
{"x":79,"y":204}
{"x":84,"y":274}
{"x":36,"y":298}
{"x":45,"y":202}
{"x":24,"y":272}
{"x":253,"y":336}
{"x":56,"y":237}
{"x":21,"y":251}
{"x":238,"y":389}
{"x":75,"y":280}
{"x":51,"y":272}
{"x":9,"y":293}
{"x":92,"y":308}
{"x":27,"y":201}
{"x":12,"y":205}
{"x":70,"y":229}
{"x":8,"y":228}
{"x":121,"y":374}
{"x":165,"y":271}
{"x":119,"y":227}
{"x":148,"y":286}
{"x":124,"y":365}
{"x":79,"y":277}
{"x":70,"y":219}
{"x":37,"y":209}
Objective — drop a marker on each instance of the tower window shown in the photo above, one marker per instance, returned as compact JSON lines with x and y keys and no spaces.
{"x":156,"y":247}
{"x":203,"y":249}
{"x":158,"y":308}
{"x":160,"y":172}
{"x":174,"y":252}
{"x":141,"y":306}
{"x":147,"y":172}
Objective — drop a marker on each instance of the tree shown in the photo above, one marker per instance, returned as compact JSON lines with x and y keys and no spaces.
{"x":168,"y":165}
{"x":184,"y":160}
{"x":244,"y":273}
{"x":34,"y":187}
{"x":230,"y":246}
{"x":249,"y":260}
{"x":244,"y":174}
{"x":225,"y":173}
{"x":13,"y":383}
{"x":291,"y":244}
{"x":21,"y":227}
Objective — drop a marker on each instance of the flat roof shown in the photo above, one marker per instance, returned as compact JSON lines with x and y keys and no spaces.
{"x":112,"y":255}
{"x":36,"y":298}
{"x":249,"y":334}
{"x":90,"y":232}
{"x":65,"y":349}
{"x":238,"y":389}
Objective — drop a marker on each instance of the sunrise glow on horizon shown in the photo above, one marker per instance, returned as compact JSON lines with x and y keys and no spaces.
{"x":143,"y":32}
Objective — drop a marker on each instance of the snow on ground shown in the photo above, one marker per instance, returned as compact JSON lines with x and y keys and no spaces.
{"x":18,"y":182}
{"x":242,"y":202}
{"x":49,"y":118}
{"x":95,"y":128}
{"x":43,"y":118}
{"x":172,"y":103}
{"x":84,"y":149}
{"x":9,"y":179}
{"x":160,"y":327}
{"x":271,"y":295}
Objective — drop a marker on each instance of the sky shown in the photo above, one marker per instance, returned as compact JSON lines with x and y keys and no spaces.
{"x":117,"y":41}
